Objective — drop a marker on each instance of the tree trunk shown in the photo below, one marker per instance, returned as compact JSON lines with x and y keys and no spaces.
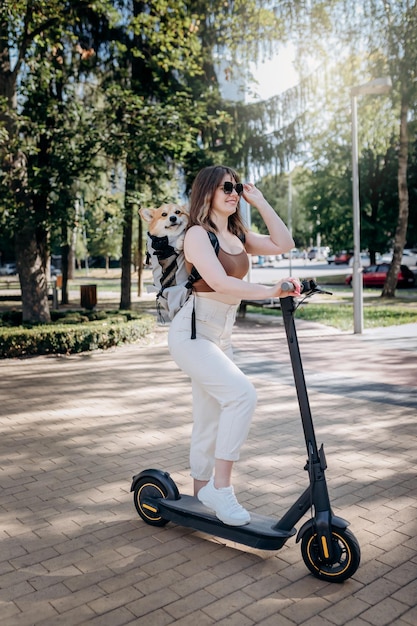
{"x":125,"y":296}
{"x":32,"y":256}
{"x":31,"y":247}
{"x":140,"y":256}
{"x":65,"y":251}
{"x":403,"y":209}
{"x":137,"y":77}
{"x":71,"y":253}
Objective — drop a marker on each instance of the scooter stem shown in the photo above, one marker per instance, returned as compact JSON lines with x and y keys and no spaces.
{"x":288,"y":308}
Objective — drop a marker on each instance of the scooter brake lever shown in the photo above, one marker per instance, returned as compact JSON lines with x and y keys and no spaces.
{"x":308,"y":287}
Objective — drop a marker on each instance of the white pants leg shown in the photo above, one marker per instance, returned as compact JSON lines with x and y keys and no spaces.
{"x":224,"y":399}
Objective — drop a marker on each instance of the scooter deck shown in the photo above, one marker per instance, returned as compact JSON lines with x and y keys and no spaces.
{"x":259,"y":533}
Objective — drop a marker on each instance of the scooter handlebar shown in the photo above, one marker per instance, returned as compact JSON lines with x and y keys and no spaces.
{"x":287,"y":286}
{"x":307,"y":286}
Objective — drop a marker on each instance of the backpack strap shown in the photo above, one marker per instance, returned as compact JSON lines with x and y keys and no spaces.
{"x":194,"y":276}
{"x":214,"y":241}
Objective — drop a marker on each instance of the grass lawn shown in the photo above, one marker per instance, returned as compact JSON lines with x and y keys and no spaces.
{"x":337,"y":310}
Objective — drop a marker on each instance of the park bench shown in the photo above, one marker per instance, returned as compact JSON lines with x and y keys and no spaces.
{"x":269,"y":303}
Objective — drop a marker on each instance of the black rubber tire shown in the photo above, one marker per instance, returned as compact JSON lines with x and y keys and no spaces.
{"x":347,"y":555}
{"x":149,"y":487}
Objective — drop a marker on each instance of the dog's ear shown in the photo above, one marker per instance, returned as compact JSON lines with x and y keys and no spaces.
{"x":147,"y":214}
{"x":186,"y":209}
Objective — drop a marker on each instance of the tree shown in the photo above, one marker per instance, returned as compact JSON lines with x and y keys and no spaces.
{"x":42,"y":149}
{"x":397,"y":29}
{"x":384,"y":33}
{"x":412,"y":177}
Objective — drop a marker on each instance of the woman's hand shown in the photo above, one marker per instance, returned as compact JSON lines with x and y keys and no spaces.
{"x":293,"y":292}
{"x":252,"y":194}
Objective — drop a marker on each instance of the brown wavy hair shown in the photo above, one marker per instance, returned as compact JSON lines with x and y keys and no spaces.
{"x":204,"y":187}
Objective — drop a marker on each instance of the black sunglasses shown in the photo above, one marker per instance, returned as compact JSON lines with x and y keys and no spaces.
{"x":228,"y":187}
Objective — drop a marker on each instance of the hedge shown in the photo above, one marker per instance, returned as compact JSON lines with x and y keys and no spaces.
{"x":74,"y":332}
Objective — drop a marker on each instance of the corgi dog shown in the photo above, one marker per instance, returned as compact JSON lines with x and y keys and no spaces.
{"x":169,"y":220}
{"x":165,"y":243}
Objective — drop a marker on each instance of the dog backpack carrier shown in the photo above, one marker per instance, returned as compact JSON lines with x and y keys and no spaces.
{"x":172,"y":282}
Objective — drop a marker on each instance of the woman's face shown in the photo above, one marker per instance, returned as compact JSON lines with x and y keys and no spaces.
{"x":226,"y":198}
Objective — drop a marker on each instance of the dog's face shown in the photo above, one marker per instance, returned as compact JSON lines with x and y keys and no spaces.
{"x":168,"y":220}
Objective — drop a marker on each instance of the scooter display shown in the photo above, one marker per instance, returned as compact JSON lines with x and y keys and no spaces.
{"x":329,"y":549}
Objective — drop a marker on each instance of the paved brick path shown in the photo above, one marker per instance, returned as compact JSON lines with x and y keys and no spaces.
{"x":75,"y":429}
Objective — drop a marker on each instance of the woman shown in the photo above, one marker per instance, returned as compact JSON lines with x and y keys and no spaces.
{"x":224,"y":399}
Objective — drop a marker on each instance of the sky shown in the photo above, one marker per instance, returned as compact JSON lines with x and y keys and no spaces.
{"x":274,"y":75}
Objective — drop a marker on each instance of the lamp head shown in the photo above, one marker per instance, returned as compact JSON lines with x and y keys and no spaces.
{"x":376,"y":87}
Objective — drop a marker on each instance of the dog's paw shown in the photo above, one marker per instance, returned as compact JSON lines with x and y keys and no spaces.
{"x":179,"y":244}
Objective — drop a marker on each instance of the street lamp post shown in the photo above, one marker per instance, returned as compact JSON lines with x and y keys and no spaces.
{"x":378,"y":86}
{"x":290,"y":216}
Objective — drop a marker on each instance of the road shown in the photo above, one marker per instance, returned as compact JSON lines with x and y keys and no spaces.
{"x":299,"y":269}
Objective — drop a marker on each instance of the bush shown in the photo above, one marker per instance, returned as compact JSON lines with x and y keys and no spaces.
{"x":72,"y":332}
{"x":11,"y":318}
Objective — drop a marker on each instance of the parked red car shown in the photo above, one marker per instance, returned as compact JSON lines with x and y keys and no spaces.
{"x":340,"y":258}
{"x":375,"y":275}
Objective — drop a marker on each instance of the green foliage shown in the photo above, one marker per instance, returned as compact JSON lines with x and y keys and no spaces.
{"x":72,"y":332}
{"x":103,"y":224}
{"x":53,"y":130}
{"x":170,"y":31}
{"x":340,"y":316}
{"x":326,"y":196}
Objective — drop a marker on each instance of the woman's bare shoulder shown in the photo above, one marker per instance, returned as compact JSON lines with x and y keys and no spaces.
{"x":196,"y":232}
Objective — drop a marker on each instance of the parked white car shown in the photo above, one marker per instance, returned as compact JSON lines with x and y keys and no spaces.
{"x":409,"y":257}
{"x":365,"y":259}
{"x":318,"y":254}
{"x":8,"y":269}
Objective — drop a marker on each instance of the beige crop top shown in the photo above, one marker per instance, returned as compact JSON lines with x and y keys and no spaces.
{"x":236,"y":265}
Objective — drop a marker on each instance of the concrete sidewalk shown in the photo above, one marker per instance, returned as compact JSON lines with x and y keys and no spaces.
{"x":75,"y":429}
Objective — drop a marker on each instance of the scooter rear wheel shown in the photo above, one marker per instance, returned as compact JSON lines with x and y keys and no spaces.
{"x":149,"y":487}
{"x":346,"y":558}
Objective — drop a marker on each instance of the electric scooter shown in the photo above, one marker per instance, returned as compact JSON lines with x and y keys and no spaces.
{"x":329,"y":549}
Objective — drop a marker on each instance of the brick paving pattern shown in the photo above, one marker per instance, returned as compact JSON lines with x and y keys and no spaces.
{"x":75,"y":429}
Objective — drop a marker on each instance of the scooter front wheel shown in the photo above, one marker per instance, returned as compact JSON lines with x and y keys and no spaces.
{"x":149,"y":488}
{"x":346,"y":555}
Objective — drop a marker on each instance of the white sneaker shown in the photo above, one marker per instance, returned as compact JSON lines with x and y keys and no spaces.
{"x":223,"y":502}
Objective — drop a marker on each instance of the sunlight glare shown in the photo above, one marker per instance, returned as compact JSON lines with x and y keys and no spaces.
{"x":273,"y":76}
